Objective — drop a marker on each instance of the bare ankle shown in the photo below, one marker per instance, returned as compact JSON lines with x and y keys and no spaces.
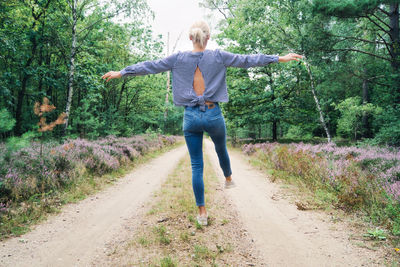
{"x":202,"y":210}
{"x":229,"y":178}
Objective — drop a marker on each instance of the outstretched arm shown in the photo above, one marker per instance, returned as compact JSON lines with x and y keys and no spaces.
{"x":143,"y":68}
{"x":254,"y":60}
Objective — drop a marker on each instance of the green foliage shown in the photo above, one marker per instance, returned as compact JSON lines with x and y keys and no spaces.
{"x":7,"y":122}
{"x":349,"y":61}
{"x":352,"y":111}
{"x":347,"y":8}
{"x":389,"y":122}
{"x":36,"y":59}
{"x":16,"y":143}
{"x":298,"y":132}
{"x":162,"y":233}
{"x":167,"y":262}
{"x":378,"y":234}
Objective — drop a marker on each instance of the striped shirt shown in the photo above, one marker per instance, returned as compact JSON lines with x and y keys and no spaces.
{"x":212,"y":64}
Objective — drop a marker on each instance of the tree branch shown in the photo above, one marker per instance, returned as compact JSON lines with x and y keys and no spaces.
{"x":386,"y":44}
{"x":220,"y":11}
{"x":358,"y":39}
{"x":371,"y":79}
{"x":383,"y":11}
{"x":374,"y":22}
{"x":99,"y":20}
{"x":363,"y":52}
{"x":387,"y":25}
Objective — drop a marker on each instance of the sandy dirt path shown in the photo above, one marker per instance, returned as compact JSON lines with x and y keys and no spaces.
{"x":285,"y":235}
{"x":81,"y":231}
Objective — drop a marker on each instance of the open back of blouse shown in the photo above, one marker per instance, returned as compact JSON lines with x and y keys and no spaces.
{"x":198,"y":82}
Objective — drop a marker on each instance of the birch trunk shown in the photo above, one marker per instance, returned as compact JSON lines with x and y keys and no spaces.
{"x":321,"y":114}
{"x":72,"y":65}
{"x":168,"y":86}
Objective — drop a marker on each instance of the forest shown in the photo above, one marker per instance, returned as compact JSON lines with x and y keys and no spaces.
{"x":346,"y":88}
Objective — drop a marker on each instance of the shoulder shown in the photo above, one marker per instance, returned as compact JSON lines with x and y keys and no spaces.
{"x":216,"y":54}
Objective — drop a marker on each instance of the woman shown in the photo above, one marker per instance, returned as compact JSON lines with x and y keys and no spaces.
{"x":199,"y":84}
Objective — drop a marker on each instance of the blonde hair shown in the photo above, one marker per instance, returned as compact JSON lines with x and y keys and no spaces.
{"x":199,"y":31}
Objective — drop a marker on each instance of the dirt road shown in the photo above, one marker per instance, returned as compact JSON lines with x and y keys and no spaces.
{"x":284,"y":235}
{"x":81,"y":231}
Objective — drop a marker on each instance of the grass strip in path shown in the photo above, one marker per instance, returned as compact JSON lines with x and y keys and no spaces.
{"x":169,"y":234}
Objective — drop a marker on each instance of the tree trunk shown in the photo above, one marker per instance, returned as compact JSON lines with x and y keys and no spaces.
{"x":365,"y":98}
{"x":321,"y":114}
{"x":274,"y":121}
{"x":168,"y":86}
{"x":275,"y":130}
{"x":166,"y":97}
{"x":394,"y":33}
{"x":71,"y":67}
{"x":121,"y":92}
{"x":18,"y":111}
{"x":21,"y":93}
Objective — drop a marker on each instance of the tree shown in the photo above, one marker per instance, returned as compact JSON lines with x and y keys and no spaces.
{"x":99,"y":14}
{"x":384,"y":20}
{"x":352,"y":110}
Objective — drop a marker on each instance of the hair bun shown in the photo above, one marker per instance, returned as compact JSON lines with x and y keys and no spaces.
{"x":199,"y":31}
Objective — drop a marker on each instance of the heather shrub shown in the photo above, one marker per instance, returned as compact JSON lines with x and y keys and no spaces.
{"x":26,"y":172}
{"x":361,"y":177}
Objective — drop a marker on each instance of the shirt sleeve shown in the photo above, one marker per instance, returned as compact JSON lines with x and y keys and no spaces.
{"x":246,"y":61}
{"x":150,"y":66}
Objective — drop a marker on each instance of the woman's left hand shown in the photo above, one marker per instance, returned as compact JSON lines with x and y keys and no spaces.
{"x":290,"y":57}
{"x":111,"y":75}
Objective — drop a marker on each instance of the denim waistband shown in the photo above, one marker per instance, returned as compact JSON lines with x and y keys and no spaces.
{"x":200,"y":107}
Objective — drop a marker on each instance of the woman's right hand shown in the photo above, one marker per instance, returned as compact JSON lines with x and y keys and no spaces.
{"x":111,"y":75}
{"x":290,"y":57}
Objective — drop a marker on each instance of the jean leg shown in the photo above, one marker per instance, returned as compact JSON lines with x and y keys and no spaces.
{"x":217,"y":132}
{"x":194,"y":142}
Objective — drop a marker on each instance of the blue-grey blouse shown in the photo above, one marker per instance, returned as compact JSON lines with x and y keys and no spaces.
{"x":212,"y":64}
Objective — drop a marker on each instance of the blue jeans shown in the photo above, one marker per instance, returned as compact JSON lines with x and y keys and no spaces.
{"x":195,"y":122}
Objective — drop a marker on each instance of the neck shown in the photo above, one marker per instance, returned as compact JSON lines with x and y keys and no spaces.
{"x":198,"y":48}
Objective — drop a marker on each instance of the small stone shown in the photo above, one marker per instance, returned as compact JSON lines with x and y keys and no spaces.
{"x":163,"y":220}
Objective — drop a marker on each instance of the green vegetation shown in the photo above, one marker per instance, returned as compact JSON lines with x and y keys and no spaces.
{"x":352,"y":71}
{"x":58,"y":50}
